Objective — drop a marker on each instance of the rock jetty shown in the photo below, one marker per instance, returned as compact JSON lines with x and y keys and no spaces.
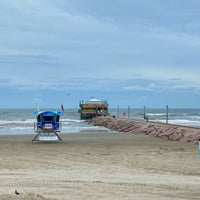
{"x":161,"y":130}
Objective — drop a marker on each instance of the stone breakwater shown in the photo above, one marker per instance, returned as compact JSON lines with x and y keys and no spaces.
{"x":161,"y":130}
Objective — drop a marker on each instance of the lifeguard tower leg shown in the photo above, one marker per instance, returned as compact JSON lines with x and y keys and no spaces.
{"x":34,"y":139}
{"x":58,"y":136}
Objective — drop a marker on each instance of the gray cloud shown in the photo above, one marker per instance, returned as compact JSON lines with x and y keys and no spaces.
{"x":71,"y":44}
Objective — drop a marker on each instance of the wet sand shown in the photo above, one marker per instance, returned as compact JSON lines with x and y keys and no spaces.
{"x":99,"y":165}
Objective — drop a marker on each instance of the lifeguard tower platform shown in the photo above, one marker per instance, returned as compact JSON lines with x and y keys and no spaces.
{"x":47,"y":126}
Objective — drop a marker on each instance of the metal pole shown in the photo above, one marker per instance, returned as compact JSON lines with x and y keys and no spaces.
{"x":117,"y":111}
{"x":167,"y":113}
{"x":144,"y":112}
{"x":128,"y":112}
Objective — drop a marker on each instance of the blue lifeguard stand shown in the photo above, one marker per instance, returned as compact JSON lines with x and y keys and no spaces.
{"x":47,"y":126}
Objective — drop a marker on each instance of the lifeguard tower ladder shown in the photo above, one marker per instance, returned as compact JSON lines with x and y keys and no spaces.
{"x":48,"y":126}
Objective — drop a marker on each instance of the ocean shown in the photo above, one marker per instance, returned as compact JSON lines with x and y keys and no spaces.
{"x":185,"y":117}
{"x":20,"y":121}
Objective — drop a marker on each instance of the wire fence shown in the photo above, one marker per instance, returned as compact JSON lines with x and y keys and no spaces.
{"x":14,"y":124}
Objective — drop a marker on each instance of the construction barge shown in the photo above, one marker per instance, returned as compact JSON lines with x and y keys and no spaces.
{"x":93,"y":108}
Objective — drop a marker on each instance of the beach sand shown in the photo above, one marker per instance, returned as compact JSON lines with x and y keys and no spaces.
{"x":101,"y":165}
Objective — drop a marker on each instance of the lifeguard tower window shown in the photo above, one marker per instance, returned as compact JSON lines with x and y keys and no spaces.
{"x":57,"y":118}
{"x":39,"y":118}
{"x":48,"y":118}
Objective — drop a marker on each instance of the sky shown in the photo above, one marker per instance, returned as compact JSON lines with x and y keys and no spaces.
{"x":128,"y":52}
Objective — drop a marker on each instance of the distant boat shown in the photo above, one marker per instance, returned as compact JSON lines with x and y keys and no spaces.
{"x":93,"y":108}
{"x":47,"y":126}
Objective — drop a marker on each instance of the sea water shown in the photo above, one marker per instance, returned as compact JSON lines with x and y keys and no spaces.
{"x":20,"y":121}
{"x":186,"y":117}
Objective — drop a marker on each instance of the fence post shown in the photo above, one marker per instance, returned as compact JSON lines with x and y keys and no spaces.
{"x":128,"y":112}
{"x":167,"y":113}
{"x":117,"y":111}
{"x":145,"y":112}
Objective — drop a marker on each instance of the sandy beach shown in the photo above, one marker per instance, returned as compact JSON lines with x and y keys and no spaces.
{"x":100,"y":165}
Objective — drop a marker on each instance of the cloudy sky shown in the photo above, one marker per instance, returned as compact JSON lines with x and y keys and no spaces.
{"x":128,"y":52}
